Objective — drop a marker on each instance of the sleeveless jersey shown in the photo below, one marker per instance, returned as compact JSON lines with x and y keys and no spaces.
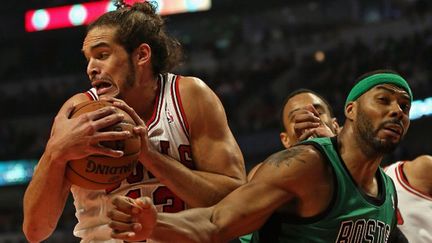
{"x":352,"y":216}
{"x":415,"y":208}
{"x":168,"y":131}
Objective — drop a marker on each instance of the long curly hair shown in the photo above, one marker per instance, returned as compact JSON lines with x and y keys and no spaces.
{"x":139,"y":23}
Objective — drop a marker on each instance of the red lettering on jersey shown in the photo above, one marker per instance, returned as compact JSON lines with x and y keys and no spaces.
{"x":136,"y":193}
{"x":185,"y":152}
{"x":163,"y":195}
{"x":164,"y":146}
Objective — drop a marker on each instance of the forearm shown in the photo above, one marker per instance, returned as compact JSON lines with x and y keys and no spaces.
{"x":191,"y":226}
{"x":221,"y":223}
{"x":230,"y":218}
{"x":196,"y":188}
{"x":44,"y":199}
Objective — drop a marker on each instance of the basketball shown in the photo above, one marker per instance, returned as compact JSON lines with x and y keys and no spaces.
{"x":99,"y":171}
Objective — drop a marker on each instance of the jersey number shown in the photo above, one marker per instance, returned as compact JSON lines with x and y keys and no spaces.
{"x":162,"y":195}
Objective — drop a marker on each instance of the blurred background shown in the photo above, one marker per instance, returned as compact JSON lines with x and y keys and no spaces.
{"x":251,"y":53}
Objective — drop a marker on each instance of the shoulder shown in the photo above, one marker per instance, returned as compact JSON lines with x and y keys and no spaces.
{"x":419,"y":168}
{"x":303,"y":160}
{"x":423,"y":163}
{"x":299,"y":152}
{"x":424,"y":159}
{"x":296,"y":169}
{"x":193,"y":86}
{"x":199,"y":101}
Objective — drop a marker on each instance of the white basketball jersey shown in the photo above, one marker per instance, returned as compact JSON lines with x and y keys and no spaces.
{"x":168,"y":131}
{"x":415,"y":208}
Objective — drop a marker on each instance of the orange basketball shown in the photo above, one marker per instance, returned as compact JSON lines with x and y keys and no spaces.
{"x":99,"y":171}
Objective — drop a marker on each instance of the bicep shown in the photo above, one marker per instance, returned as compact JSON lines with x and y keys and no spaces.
{"x":214,"y":148}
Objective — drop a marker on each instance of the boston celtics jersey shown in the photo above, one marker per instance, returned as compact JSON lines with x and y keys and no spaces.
{"x":352,"y":216}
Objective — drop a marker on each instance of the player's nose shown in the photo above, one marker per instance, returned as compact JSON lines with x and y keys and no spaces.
{"x":92,"y":68}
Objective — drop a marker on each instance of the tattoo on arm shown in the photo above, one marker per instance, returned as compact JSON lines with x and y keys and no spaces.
{"x":287,"y":156}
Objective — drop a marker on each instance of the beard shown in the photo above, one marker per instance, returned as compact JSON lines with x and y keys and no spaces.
{"x":129,"y":80}
{"x":369,"y":135}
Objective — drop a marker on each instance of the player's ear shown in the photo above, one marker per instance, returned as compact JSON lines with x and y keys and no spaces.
{"x":143,"y":54}
{"x":284,"y":139}
{"x":350,"y":110}
{"x":336,"y":126}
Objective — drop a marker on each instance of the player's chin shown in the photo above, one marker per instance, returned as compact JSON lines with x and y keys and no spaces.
{"x":388,"y":145}
{"x":392,"y":140}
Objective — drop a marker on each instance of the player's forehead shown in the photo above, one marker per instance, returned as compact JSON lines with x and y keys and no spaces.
{"x":390,"y":89}
{"x":98,"y":36}
{"x":301,"y":100}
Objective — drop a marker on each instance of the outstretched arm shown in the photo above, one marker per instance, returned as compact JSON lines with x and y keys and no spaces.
{"x":281,"y":179}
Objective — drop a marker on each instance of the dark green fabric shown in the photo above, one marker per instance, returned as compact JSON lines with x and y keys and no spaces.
{"x":351,"y":217}
{"x":381,"y":78}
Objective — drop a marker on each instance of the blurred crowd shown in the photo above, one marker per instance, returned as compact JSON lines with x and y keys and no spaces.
{"x":251,"y":94}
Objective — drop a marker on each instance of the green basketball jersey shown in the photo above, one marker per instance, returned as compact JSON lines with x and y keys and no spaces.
{"x":352,"y":216}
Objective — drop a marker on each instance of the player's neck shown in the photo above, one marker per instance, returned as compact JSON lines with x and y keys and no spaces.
{"x":361,"y":165}
{"x":142,"y":98}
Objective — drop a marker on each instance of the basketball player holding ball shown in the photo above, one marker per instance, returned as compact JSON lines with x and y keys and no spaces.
{"x":189,"y":157}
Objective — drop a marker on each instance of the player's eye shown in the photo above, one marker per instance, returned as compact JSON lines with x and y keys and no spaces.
{"x":102,"y":55}
{"x":405,"y":107}
{"x":383,"y":99}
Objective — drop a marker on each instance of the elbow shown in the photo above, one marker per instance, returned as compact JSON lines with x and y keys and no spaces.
{"x":239,"y":182}
{"x":235,"y":182}
{"x":34,"y":233}
{"x":218,"y":236}
{"x":222,"y":192}
{"x":217,"y":233}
